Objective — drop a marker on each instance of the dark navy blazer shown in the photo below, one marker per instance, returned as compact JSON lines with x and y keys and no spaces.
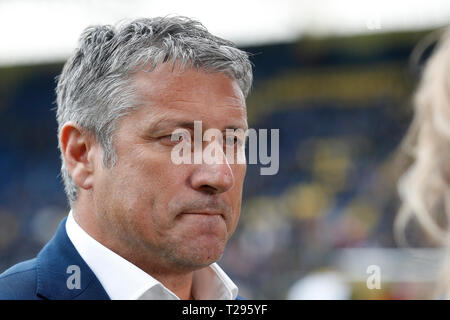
{"x":45,"y":277}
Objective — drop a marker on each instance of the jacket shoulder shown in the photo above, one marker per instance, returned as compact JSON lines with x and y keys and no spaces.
{"x":19,"y":282}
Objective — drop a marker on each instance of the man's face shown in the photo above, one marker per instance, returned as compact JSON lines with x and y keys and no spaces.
{"x":182,"y":215}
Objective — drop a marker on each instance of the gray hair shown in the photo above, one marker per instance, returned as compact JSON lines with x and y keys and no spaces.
{"x":95,"y":88}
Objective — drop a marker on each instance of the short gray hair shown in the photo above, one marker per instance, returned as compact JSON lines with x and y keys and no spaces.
{"x":95,"y":87}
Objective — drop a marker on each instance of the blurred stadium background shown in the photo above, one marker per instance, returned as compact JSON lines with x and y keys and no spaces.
{"x":335,"y":77}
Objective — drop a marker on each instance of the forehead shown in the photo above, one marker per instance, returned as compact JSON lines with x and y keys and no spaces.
{"x":190,"y":95}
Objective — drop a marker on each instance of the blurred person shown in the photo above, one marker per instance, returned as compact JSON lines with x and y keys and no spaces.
{"x":140,"y":226}
{"x":424,"y":188}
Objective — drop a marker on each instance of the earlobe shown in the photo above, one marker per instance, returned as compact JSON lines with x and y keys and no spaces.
{"x":75,"y":147}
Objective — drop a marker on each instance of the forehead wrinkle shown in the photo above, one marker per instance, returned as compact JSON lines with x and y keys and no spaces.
{"x":233,"y":103}
{"x":162,"y":100}
{"x":199,"y":108}
{"x":159,"y":95}
{"x":167,"y":98}
{"x":158,"y":85}
{"x":156,"y":118}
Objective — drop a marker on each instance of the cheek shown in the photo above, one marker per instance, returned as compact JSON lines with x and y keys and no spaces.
{"x":140,"y":172}
{"x":132,"y":204}
{"x":239,"y":171}
{"x":144,"y":186}
{"x":124,"y":189}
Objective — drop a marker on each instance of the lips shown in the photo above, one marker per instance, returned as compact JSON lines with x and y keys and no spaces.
{"x":205,"y":213}
{"x":213,"y":206}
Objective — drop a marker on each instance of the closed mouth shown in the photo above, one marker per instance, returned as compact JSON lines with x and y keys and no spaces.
{"x":205,"y":214}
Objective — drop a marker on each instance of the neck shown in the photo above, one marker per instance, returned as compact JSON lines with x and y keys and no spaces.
{"x":180,"y":285}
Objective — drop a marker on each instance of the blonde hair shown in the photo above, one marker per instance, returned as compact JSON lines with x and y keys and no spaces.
{"x":424,"y":187}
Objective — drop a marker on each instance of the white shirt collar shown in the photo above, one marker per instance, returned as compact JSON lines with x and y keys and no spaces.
{"x":122,"y":280}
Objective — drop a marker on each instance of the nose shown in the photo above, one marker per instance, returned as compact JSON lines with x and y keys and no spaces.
{"x":213,"y":178}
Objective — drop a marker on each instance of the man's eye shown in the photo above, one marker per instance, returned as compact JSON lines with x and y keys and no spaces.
{"x":169,"y":140}
{"x":174,"y":138}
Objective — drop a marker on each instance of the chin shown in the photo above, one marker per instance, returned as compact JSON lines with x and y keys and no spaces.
{"x":205,"y":253}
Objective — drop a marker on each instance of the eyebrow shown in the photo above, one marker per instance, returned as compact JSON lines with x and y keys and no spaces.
{"x":163,"y":124}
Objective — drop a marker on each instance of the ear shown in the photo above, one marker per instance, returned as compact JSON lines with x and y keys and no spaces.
{"x":79,"y":154}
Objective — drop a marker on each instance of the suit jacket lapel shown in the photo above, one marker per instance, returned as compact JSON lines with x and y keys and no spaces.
{"x":56,"y":264}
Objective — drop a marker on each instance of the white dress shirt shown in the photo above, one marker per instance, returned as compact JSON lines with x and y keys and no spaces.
{"x":122,"y":280}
